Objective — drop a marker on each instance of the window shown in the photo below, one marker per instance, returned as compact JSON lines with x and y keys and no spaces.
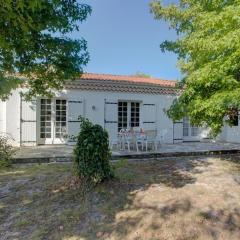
{"x":194,"y":131}
{"x":61,"y":114}
{"x":135,"y":114}
{"x":128,"y":115}
{"x":45,"y":120}
{"x":53,"y":118}
{"x":188,"y":129}
{"x":122,"y":115}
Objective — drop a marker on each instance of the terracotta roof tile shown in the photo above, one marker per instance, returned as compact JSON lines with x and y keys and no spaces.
{"x":130,"y":79}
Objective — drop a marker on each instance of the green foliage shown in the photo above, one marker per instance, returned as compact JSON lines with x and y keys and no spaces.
{"x":6,"y":152}
{"x":208,"y":48}
{"x":122,"y":163}
{"x":92,"y":154}
{"x":141,"y":74}
{"x":34,"y":43}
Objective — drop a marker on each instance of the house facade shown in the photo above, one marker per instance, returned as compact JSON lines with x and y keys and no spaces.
{"x":115,"y":102}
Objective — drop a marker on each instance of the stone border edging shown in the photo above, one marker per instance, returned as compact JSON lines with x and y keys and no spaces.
{"x":129,"y":156}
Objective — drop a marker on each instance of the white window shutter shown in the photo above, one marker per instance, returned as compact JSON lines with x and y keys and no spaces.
{"x":28,"y":122}
{"x":149,"y":116}
{"x":178,"y":131}
{"x":111,"y":117}
{"x":75,"y":110}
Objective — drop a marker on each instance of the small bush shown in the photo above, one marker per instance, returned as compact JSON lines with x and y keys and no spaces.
{"x":6,"y":152}
{"x":92,"y":153}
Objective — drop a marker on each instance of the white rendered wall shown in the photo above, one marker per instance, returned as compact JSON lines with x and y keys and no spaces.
{"x":94,"y":104}
{"x":230,"y":134}
{"x":96,"y":113}
{"x":2,"y":117}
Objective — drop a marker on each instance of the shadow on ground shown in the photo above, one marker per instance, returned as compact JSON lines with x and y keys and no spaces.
{"x":180,"y":198}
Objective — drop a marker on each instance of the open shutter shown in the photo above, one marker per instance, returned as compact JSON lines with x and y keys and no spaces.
{"x":75,"y":110}
{"x":28,"y":122}
{"x":149,"y":116}
{"x":111,"y":117}
{"x":177,"y":131}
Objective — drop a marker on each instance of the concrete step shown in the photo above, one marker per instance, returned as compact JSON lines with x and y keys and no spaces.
{"x":146,"y":155}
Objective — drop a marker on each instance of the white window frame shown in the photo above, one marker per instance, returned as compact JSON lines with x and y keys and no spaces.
{"x":53,"y":139}
{"x":128,"y":124}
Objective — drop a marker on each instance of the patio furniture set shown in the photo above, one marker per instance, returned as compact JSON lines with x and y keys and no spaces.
{"x":131,"y":139}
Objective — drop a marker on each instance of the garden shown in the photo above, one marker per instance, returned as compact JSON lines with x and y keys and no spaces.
{"x":93,"y":198}
{"x":179,"y":198}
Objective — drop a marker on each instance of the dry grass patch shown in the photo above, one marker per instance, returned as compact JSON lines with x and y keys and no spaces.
{"x":181,"y":198}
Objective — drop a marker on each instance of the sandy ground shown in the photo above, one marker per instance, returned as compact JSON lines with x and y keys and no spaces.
{"x":172,"y":199}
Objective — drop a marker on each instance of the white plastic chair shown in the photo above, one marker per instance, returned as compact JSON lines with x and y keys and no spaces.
{"x":130,"y":139}
{"x":157,"y":142}
{"x":151,"y":138}
{"x":140,"y":139}
{"x":118,"y":141}
{"x":127,"y":141}
{"x":114,"y":142}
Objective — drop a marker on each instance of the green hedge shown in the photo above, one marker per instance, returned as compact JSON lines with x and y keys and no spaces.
{"x":6,"y":152}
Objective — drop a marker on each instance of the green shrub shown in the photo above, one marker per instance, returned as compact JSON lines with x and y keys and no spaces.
{"x":6,"y":152}
{"x":92,"y":153}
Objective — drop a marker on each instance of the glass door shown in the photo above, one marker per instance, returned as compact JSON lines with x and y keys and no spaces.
{"x":53,"y":121}
{"x":190,"y":132}
{"x":60,"y":120}
{"x":122,"y":115}
{"x":46,"y":127}
{"x":128,"y":115}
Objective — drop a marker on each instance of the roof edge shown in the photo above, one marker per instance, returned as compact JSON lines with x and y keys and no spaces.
{"x":129,"y":79}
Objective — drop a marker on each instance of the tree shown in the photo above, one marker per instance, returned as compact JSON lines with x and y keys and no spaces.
{"x":208,"y":49}
{"x":141,"y":74}
{"x":35,"y":47}
{"x":92,"y":154}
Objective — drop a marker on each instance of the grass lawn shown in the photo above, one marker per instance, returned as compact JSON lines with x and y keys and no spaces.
{"x":179,"y":199}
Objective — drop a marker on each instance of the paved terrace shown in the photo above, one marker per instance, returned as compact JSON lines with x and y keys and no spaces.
{"x":63,"y":153}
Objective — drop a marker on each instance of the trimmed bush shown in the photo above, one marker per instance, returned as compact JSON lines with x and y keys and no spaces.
{"x":92,"y":153}
{"x":6,"y":152}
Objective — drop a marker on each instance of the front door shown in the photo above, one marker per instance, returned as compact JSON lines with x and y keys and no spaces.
{"x":53,"y":121}
{"x":190,"y":132}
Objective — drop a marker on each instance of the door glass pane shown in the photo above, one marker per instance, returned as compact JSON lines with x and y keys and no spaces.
{"x":60,"y":123}
{"x":122,"y":115}
{"x":194,"y":131}
{"x":135,"y":114}
{"x":45,"y":118}
{"x":188,"y":129}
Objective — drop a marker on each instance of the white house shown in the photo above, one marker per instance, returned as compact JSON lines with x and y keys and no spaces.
{"x":113,"y":101}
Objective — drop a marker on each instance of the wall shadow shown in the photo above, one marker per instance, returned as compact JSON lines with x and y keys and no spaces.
{"x":132,"y":210}
{"x":155,"y":199}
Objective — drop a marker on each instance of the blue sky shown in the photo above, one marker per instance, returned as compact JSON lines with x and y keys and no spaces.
{"x":124,"y":38}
